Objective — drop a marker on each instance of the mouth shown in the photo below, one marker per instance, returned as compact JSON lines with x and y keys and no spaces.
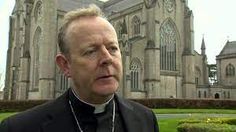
{"x":104,"y":77}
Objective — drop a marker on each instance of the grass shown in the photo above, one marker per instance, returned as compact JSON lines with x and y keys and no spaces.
{"x":165,"y":125}
{"x":5,"y":115}
{"x":168,"y":125}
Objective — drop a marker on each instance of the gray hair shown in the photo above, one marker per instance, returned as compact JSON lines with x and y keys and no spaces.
{"x":91,"y":10}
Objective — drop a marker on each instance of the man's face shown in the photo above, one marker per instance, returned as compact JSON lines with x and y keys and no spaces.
{"x":95,"y":65}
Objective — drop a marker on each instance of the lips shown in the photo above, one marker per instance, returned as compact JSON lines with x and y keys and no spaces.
{"x":104,"y":77}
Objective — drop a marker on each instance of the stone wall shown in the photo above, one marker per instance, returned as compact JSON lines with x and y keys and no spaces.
{"x":1,"y":95}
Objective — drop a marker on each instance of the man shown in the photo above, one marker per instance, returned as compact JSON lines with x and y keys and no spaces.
{"x":91,"y":57}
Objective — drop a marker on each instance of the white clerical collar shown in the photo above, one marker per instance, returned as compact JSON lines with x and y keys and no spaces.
{"x":99,"y":108}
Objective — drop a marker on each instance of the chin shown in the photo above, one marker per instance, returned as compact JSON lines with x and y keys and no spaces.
{"x":106,"y":91}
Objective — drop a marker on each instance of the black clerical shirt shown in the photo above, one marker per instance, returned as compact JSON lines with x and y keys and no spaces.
{"x":101,"y":122}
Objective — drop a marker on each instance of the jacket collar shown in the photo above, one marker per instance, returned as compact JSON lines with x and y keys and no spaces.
{"x":63,"y":120}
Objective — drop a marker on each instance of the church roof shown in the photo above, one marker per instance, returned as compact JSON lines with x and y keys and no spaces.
{"x":120,"y":5}
{"x":68,"y":5}
{"x":229,"y":48}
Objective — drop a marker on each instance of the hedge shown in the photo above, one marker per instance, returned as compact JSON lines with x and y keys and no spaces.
{"x":15,"y":105}
{"x":188,"y":103}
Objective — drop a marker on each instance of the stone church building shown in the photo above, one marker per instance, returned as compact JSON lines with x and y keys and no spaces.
{"x":156,"y":38}
{"x":225,"y":88}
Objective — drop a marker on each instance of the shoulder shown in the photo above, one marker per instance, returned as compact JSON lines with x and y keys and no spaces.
{"x":138,"y":105}
{"x":44,"y":109}
{"x":31,"y":118}
{"x":133,"y":110}
{"x":134,"y":106}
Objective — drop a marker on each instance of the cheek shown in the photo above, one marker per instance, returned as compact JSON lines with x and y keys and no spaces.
{"x":119,"y":65}
{"x":83,"y":67}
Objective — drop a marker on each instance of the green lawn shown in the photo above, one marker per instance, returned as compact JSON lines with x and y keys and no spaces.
{"x":4,"y":115}
{"x":168,"y":125}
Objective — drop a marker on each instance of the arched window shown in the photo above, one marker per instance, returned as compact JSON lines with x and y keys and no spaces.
{"x":217,"y":96}
{"x":230,"y":70}
{"x":135,"y":69}
{"x":64,"y":82}
{"x":168,"y":46}
{"x":35,"y":65}
{"x":38,"y":11}
{"x":119,"y":30}
{"x":197,"y":75}
{"x":136,"y":26}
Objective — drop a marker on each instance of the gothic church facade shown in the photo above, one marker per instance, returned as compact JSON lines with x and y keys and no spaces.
{"x":156,"y":38}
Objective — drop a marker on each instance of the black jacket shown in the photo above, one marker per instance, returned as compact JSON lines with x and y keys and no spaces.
{"x":55,"y":116}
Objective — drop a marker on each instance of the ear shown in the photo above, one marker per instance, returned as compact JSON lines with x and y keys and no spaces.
{"x":63,"y":64}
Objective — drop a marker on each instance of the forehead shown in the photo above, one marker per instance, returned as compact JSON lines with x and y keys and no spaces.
{"x":90,"y":22}
{"x":90,"y":28}
{"x":89,"y":25}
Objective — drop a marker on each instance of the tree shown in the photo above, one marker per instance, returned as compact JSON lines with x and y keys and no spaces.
{"x":212,"y":73}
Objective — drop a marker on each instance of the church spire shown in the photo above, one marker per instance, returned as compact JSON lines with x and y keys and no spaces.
{"x":227,"y":39}
{"x":203,"y":46}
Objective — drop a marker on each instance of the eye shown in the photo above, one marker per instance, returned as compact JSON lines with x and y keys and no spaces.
{"x":113,"y":49}
{"x":90,"y":52}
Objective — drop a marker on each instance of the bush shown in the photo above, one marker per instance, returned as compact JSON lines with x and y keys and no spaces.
{"x":207,"y":125}
{"x":230,"y":121}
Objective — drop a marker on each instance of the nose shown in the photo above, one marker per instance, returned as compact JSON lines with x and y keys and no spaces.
{"x":105,"y":57}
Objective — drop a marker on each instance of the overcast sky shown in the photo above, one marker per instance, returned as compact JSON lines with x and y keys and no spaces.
{"x":216,"y":21}
{"x":213,"y":19}
{"x":6,"y":7}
